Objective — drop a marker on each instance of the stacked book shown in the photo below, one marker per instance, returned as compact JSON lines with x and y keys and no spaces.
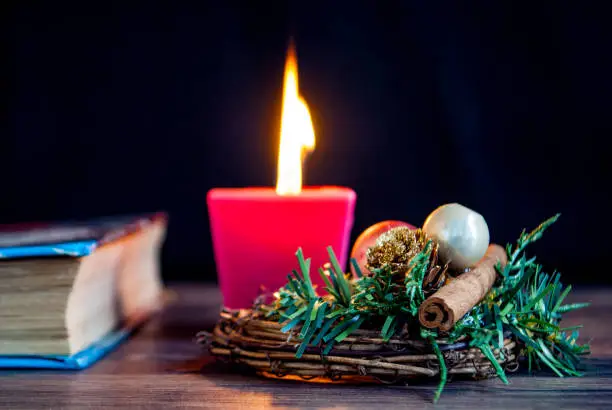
{"x":70,"y":292}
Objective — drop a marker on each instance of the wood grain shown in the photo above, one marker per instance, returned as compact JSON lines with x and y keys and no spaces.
{"x":162,"y":367}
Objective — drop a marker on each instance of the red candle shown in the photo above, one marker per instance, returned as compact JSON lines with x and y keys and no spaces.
{"x":256,"y":231}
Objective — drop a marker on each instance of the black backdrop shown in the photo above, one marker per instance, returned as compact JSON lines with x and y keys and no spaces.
{"x":501,"y":106}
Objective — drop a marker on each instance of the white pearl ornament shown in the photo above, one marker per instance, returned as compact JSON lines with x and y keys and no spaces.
{"x":463,"y":235}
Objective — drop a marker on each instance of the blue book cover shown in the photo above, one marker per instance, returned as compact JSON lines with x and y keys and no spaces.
{"x":68,"y":239}
{"x":72,"y":238}
{"x":78,"y":361}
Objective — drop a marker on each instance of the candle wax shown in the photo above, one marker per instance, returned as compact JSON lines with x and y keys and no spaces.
{"x":256,"y":233}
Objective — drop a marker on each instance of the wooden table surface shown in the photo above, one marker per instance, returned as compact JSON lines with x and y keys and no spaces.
{"x":162,"y":367}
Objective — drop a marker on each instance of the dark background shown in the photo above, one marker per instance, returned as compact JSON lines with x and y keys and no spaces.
{"x":501,"y":106}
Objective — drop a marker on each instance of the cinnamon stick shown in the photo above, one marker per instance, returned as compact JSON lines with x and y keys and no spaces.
{"x":452,"y":301}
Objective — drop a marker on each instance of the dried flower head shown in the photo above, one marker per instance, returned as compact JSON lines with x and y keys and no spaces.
{"x":395,"y":248}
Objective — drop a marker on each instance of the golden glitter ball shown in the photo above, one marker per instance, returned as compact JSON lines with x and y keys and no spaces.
{"x":395,"y":248}
{"x":368,"y":238}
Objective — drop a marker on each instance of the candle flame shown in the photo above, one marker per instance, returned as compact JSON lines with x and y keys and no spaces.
{"x":297,"y":136}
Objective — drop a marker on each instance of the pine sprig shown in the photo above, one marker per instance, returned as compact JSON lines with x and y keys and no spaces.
{"x":532,"y":301}
{"x":528,"y":303}
{"x":516,"y":257}
{"x":297,"y":304}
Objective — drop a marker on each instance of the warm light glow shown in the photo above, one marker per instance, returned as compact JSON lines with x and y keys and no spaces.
{"x":297,"y":134}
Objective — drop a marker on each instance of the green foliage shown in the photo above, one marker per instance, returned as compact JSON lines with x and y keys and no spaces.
{"x":526,"y":303}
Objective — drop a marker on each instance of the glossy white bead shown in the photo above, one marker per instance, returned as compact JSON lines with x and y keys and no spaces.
{"x":463,"y":235}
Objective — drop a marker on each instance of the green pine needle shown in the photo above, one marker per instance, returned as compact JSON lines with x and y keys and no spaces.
{"x":443,"y":370}
{"x":486,"y":350}
{"x":350,"y":329}
{"x":356,"y":267}
{"x":388,"y":328}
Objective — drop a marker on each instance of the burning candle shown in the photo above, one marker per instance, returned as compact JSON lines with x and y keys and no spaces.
{"x":256,"y":231}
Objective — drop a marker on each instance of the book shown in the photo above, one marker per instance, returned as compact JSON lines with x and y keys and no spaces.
{"x":70,"y":292}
